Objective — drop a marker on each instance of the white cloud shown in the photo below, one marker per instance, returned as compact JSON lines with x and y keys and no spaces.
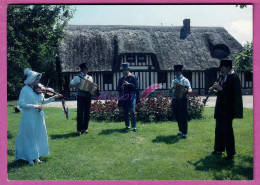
{"x":241,"y":30}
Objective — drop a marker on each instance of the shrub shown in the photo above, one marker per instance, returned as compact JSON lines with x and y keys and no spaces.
{"x":195,"y":108}
{"x":106,"y":111}
{"x":149,"y":109}
{"x":154,"y":109}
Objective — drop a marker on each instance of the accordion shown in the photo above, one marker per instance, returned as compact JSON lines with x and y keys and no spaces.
{"x":178,"y":92}
{"x":88,"y":86}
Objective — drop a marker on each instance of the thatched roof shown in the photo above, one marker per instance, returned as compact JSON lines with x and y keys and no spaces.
{"x":102,"y":46}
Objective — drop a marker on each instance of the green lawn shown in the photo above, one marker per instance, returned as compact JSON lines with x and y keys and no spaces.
{"x":154,"y":153}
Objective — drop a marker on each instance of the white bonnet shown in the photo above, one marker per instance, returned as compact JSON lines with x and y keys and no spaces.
{"x":30,"y":76}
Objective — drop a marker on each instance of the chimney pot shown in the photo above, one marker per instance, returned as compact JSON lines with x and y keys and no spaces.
{"x":186,"y":25}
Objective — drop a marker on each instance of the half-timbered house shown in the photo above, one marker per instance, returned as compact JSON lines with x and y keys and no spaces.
{"x":151,"y":51}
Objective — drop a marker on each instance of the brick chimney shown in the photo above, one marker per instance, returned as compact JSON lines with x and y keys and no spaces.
{"x":186,"y":25}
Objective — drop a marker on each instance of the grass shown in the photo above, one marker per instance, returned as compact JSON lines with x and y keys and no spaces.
{"x":154,"y":153}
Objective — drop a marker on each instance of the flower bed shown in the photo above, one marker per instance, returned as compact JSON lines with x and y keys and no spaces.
{"x":149,"y":109}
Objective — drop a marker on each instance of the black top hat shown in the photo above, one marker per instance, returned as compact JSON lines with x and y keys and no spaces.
{"x":226,"y":63}
{"x":125,"y":66}
{"x":83,"y":66}
{"x":178,"y":67}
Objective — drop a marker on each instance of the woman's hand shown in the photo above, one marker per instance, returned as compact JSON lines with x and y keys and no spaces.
{"x":58,"y":96}
{"x":39,"y":107}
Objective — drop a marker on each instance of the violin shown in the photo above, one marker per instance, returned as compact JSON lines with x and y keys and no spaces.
{"x":39,"y":88}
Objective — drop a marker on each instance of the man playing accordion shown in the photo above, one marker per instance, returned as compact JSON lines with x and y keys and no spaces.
{"x":180,"y":87}
{"x":83,"y":99}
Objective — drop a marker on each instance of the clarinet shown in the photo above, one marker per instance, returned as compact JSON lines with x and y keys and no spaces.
{"x":209,"y":93}
{"x":123,"y":85}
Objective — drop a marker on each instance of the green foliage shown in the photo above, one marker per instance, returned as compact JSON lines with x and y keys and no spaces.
{"x":154,"y":153}
{"x":149,"y":109}
{"x":33,"y":34}
{"x":106,"y":111}
{"x":196,"y":108}
{"x":244,"y":59}
{"x":241,"y":6}
{"x":154,"y":109}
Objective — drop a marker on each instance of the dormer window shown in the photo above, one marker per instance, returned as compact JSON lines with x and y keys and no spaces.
{"x":141,"y":58}
{"x":130,"y":58}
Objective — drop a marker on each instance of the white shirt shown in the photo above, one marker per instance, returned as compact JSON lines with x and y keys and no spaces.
{"x":76,"y":79}
{"x":230,"y":72}
{"x":182,"y":80}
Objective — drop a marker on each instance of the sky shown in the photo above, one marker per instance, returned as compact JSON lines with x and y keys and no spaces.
{"x":238,"y":22}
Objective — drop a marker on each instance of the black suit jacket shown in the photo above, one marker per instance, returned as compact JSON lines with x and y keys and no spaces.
{"x":229,"y":102}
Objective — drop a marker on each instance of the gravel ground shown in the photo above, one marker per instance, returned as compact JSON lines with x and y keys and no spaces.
{"x":247,"y":102}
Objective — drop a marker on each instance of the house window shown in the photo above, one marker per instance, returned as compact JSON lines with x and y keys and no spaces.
{"x":162,"y":77}
{"x":108,"y":78}
{"x":141,"y":58}
{"x":130,"y":58}
{"x":249,"y":76}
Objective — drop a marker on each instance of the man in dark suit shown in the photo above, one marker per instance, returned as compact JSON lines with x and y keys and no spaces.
{"x":128,"y":88}
{"x":229,"y":106}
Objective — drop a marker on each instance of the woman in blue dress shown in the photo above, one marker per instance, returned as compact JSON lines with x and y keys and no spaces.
{"x":32,"y":140}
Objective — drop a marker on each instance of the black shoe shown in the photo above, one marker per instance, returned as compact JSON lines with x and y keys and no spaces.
{"x":216,"y":153}
{"x":179,"y":134}
{"x":127,"y":129}
{"x":184,"y":137}
{"x":229,"y":157}
{"x":135,"y":130}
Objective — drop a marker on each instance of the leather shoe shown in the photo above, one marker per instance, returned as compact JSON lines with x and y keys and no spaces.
{"x":179,"y":134}
{"x":78,"y":133}
{"x":127,"y":129}
{"x":85,"y":131}
{"x":184,"y":137}
{"x":38,"y":161}
{"x":216,"y":153}
{"x":229,"y":157}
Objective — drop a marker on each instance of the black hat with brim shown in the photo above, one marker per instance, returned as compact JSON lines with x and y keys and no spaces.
{"x":178,"y":68}
{"x":125,"y":66}
{"x":226,"y":63}
{"x":83,"y":66}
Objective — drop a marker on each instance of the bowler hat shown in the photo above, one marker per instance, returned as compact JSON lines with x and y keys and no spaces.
{"x":83,"y":66}
{"x":178,"y":67}
{"x":226,"y":63}
{"x":125,"y":66}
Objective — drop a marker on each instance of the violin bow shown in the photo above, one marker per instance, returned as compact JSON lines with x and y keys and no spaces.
{"x":66,"y":110}
{"x":45,"y":91}
{"x":62,"y":101}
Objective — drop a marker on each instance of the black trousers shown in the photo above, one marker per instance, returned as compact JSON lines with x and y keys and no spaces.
{"x":180,"y":111}
{"x":224,"y":136}
{"x":83,"y":111}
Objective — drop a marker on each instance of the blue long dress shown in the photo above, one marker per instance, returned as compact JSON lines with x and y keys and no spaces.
{"x":32,"y":140}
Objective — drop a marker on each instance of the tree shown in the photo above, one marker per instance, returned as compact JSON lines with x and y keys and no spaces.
{"x":241,"y":6}
{"x":33,"y":34}
{"x":244,"y":59}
